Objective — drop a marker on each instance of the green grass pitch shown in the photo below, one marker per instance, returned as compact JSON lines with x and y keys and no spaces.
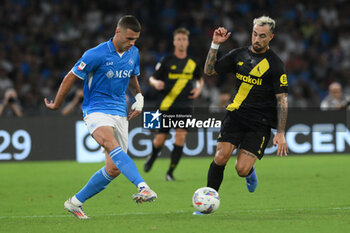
{"x":295,"y":194}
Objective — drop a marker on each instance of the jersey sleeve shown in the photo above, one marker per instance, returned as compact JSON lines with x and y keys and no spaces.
{"x":86,"y":64}
{"x":226,"y":63}
{"x":160,"y":69}
{"x":279,"y":78}
{"x":136,"y":71}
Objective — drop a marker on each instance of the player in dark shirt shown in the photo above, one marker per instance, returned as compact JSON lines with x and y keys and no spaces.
{"x":260,"y":102}
{"x":258,"y":78}
{"x":174,"y":79}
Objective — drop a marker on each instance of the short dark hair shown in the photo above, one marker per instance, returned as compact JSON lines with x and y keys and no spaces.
{"x":129,"y":22}
{"x":181,"y":30}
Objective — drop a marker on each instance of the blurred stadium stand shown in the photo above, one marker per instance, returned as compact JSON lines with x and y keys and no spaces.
{"x":40,"y":41}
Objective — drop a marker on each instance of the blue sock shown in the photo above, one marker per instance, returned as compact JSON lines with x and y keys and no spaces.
{"x":96,"y":184}
{"x":126,"y":165}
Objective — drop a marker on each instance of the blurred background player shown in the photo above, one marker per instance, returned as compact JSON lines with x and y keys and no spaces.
{"x":261,"y":86}
{"x":173,"y":79}
{"x":106,"y":71}
{"x":335,"y":99}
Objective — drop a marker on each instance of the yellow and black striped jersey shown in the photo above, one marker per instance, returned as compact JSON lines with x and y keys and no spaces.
{"x":178,"y":76}
{"x":258,"y":78}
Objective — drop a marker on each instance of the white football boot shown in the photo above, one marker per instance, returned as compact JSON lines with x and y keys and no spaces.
{"x":77,"y":211}
{"x":145,"y":195}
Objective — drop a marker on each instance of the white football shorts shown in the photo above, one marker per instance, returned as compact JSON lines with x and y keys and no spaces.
{"x":118,"y":123}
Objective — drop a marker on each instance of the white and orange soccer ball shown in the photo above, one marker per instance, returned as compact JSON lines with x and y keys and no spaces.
{"x":206,"y":200}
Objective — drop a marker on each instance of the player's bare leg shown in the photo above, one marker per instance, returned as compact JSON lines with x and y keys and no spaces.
{"x":216,"y":170}
{"x":217,"y":167}
{"x":157,"y":145}
{"x":95,"y":185}
{"x":105,"y":137}
{"x":245,"y":168}
{"x":111,"y":169}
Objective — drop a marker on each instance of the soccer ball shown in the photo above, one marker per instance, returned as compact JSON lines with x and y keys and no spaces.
{"x":206,"y":200}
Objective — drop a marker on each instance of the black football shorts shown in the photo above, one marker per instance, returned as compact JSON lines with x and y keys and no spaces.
{"x":246,"y":135}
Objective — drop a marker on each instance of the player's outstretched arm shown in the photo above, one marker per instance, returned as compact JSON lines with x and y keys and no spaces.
{"x":220,"y":35}
{"x":282,"y":113}
{"x":136,"y":108}
{"x":65,"y":86}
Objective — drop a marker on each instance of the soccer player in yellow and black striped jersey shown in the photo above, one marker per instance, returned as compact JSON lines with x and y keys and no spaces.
{"x":260,"y":102}
{"x":174,"y":78}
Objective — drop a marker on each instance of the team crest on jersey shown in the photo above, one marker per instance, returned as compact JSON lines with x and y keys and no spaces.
{"x":81,"y":66}
{"x":283,"y":80}
{"x":110,"y":74}
{"x":173,"y":67}
{"x":131,"y":61}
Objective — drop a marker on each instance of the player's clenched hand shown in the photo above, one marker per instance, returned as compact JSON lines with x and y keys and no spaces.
{"x":50,"y":104}
{"x":158,"y":85}
{"x":280,"y":140}
{"x":220,"y":35}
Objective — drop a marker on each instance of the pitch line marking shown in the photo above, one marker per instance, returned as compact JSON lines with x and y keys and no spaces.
{"x":177,"y":212}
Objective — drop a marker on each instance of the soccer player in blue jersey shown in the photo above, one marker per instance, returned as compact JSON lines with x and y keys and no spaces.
{"x":107,"y":70}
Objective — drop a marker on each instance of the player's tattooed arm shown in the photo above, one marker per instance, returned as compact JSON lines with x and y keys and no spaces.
{"x":210,"y":62}
{"x":282,"y":111}
{"x":220,"y":36}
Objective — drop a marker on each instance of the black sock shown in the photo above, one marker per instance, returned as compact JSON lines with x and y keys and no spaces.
{"x":251,"y":171}
{"x":155,"y":152}
{"x":215,"y":176}
{"x":175,"y":158}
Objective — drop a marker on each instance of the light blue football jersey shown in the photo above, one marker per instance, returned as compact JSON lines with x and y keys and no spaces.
{"x":106,"y":74}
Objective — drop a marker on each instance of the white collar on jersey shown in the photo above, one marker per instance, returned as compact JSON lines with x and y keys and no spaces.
{"x":121,"y":54}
